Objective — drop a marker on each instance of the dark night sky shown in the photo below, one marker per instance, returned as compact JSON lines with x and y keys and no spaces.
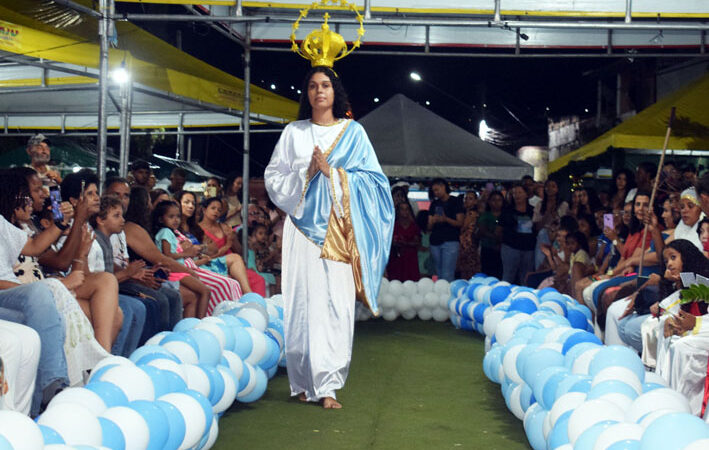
{"x":526,"y":87}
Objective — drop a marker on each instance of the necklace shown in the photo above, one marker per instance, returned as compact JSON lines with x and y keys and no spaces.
{"x":326,"y":124}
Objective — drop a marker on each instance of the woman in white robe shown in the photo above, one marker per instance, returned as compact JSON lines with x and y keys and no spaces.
{"x":336,"y":240}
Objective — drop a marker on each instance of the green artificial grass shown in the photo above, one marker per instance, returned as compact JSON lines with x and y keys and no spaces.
{"x":412,"y":385}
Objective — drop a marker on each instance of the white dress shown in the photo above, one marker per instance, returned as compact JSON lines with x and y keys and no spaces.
{"x":318,"y":294}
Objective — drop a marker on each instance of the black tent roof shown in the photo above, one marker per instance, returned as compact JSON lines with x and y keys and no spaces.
{"x":411,"y":141}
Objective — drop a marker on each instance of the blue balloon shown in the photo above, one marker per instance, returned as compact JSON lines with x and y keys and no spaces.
{"x":523,"y":355}
{"x":228,"y":335}
{"x":499,"y":294}
{"x":5,"y":444}
{"x":540,"y":381}
{"x":231,"y":321}
{"x":216,"y":383}
{"x":145,"y":359}
{"x":253,"y":297}
{"x":577,"y":319}
{"x":676,"y":430}
{"x":186,"y":324}
{"x":583,"y":385}
{"x":159,"y":379}
{"x":559,"y":434}
{"x":204,"y":403}
{"x":259,"y":389}
{"x":617,"y":355}
{"x":479,"y":312}
{"x":272,"y":355}
{"x":523,"y":304}
{"x":150,"y":349}
{"x":469,"y":290}
{"x":612,"y":387}
{"x":97,"y":374}
{"x":175,"y":383}
{"x":50,"y":436}
{"x":549,"y":389}
{"x":466,"y":324}
{"x":567,"y":383}
{"x":491,"y":363}
{"x":157,"y":422}
{"x":540,"y":336}
{"x":111,"y":394}
{"x":242,"y":342}
{"x":627,"y":444}
{"x":245,"y":376}
{"x":209,"y":350}
{"x":533,"y":426}
{"x":176,"y":424}
{"x":456,"y":286}
{"x":112,"y":435}
{"x":588,"y":438}
{"x":272,"y":371}
{"x":543,"y":291}
{"x":579,"y":337}
{"x":539,"y":360}
{"x":526,"y":397}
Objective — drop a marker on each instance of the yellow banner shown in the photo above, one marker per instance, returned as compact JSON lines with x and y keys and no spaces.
{"x":39,"y":44}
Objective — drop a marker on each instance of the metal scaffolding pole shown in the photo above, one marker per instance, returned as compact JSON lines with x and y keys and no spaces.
{"x":126,"y":113}
{"x":105,"y":8}
{"x":246,"y":126}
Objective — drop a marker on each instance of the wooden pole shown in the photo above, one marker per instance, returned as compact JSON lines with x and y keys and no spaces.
{"x":654,"y":189}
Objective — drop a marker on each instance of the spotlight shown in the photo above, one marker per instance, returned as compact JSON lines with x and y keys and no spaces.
{"x":415,"y":76}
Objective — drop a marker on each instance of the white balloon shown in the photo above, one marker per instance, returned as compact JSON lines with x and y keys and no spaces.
{"x":440,"y":315}
{"x":619,"y":373}
{"x":409,"y":287}
{"x":390,"y":314}
{"x":663,"y":398}
{"x":701,"y":444}
{"x":193,"y":415}
{"x":395,"y":288}
{"x":618,"y":432}
{"x":387,"y":301}
{"x":20,"y":431}
{"x":430,"y":300}
{"x":590,"y":413}
{"x":583,"y":361}
{"x":213,"y":434}
{"x":515,"y":405}
{"x":230,"y":388}
{"x":491,"y":322}
{"x":182,"y":351}
{"x":408,"y":314}
{"x":134,"y":382}
{"x":75,"y":423}
{"x":425,"y":285}
{"x":82,"y":396}
{"x":567,"y":402}
{"x":109,"y":360}
{"x":509,"y":363}
{"x":214,"y":330}
{"x":235,"y":363}
{"x":172,"y":366}
{"x":197,"y":379}
{"x":425,"y":314}
{"x":442,"y":287}
{"x":402,"y":305}
{"x":416,"y":301}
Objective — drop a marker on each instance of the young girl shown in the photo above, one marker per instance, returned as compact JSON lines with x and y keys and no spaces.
{"x":191,"y":235}
{"x":262,"y":256}
{"x":166,"y":220}
{"x":167,"y":215}
{"x":703,"y":231}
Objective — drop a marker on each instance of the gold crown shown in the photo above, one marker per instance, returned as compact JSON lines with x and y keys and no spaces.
{"x":323,"y":47}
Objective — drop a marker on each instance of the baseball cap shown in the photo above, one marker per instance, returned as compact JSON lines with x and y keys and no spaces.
{"x":38,"y":139}
{"x":139,"y":164}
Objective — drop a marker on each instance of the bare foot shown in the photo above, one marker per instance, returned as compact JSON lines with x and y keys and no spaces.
{"x":302,"y":397}
{"x":331,"y":403}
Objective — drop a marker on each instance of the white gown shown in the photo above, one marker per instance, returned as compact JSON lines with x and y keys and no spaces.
{"x":318,"y":294}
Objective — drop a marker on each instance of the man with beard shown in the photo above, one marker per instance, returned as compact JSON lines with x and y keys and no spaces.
{"x":40,"y":154}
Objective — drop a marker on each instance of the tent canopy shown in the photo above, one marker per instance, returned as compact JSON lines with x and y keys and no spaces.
{"x":153,"y":64}
{"x":411,"y":141}
{"x":690,"y":130}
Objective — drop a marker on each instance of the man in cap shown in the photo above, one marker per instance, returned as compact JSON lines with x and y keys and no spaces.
{"x":141,"y":172}
{"x":40,"y":154}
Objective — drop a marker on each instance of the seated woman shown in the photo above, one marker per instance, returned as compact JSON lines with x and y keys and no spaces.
{"x":81,"y":349}
{"x":191,"y":236}
{"x":157,"y":196}
{"x":682,"y":333}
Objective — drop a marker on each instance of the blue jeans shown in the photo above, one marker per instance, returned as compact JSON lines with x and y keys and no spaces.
{"x":133,"y":322}
{"x":629,"y":330}
{"x":445,"y":257}
{"x":516,"y":264}
{"x":36,"y":304}
{"x":171,"y":290}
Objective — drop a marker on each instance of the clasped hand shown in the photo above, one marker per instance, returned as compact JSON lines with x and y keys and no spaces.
{"x":318,"y":163}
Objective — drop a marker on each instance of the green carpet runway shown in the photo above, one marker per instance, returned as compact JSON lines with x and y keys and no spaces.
{"x":412,"y":385}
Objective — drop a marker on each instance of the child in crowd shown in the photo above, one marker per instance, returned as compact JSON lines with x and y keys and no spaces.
{"x":703,"y":231}
{"x":166,"y":221}
{"x":263,"y":254}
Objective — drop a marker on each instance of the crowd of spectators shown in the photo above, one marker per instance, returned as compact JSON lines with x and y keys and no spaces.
{"x":611,"y":250}
{"x":98,"y":274}
{"x":87,"y":270}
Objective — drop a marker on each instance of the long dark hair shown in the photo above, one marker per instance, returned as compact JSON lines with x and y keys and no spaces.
{"x":191,"y":221}
{"x":139,"y":208}
{"x":340,"y":107}
{"x":160,"y":210}
{"x":635,"y":224}
{"x":492,"y":194}
{"x":629,"y":181}
{"x":14,"y":189}
{"x":230,"y":182}
{"x":692,"y":260}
